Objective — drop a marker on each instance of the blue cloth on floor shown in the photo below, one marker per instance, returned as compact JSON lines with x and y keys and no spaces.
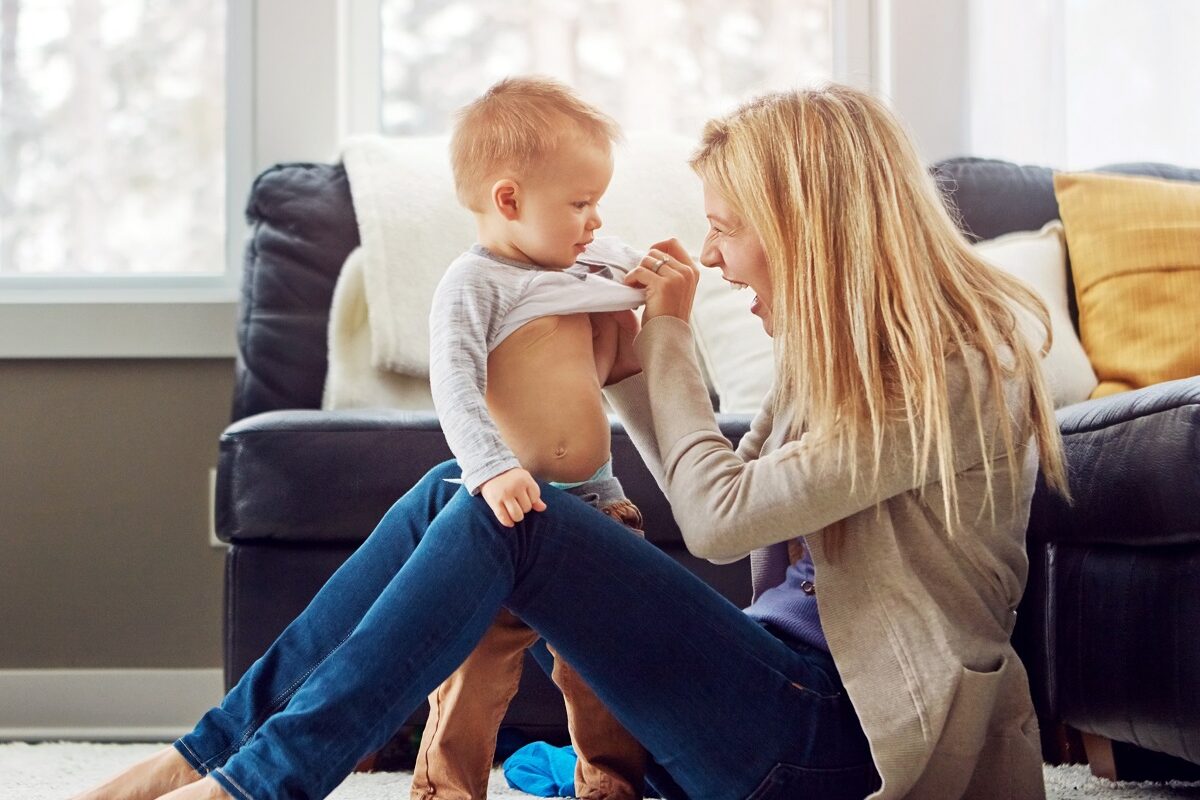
{"x":542,"y":769}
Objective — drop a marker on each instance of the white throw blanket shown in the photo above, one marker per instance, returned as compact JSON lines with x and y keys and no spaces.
{"x":411,"y":227}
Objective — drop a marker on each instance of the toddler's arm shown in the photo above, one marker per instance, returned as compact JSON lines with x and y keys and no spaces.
{"x":466,"y":307}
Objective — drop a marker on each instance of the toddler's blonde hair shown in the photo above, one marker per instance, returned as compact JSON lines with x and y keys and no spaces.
{"x":515,"y":125}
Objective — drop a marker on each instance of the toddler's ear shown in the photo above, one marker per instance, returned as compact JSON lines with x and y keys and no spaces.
{"x":505,"y":195}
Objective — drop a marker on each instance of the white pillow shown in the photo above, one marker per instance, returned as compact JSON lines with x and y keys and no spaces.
{"x":738,"y":356}
{"x":733,"y":346}
{"x":1040,"y":259}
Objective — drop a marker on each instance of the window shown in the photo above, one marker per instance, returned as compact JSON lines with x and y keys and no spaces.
{"x":1077,"y":84}
{"x":112,"y":139}
{"x":668,"y":65}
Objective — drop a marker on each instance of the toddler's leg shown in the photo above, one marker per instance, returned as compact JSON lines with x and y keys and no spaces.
{"x":612,"y":764}
{"x":459,"y":742}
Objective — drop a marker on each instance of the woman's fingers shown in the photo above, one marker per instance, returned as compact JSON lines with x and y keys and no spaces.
{"x":669,"y":281}
{"x":655,"y":264}
{"x":675,"y":249}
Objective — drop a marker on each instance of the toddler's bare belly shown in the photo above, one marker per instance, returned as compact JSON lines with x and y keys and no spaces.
{"x":544,"y":395}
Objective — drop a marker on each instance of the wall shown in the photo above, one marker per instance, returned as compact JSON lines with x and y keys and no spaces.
{"x":104,"y":554}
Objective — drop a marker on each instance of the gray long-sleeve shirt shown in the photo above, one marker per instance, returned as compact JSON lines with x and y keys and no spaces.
{"x":480,"y":301}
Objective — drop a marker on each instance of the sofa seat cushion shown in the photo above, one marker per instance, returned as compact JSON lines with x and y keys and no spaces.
{"x":305,"y":476}
{"x":1133,"y":464}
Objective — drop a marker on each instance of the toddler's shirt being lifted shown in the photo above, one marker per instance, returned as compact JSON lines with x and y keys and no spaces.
{"x":480,"y":301}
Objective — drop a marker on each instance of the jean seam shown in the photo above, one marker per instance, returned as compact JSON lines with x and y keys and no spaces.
{"x":237,"y":786}
{"x":198,"y":764}
{"x":282,"y":698}
{"x":276,"y":703}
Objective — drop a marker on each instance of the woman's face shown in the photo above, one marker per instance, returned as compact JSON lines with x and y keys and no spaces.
{"x":735,"y":248}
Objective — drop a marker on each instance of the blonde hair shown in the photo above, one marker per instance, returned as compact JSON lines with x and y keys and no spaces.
{"x":514,"y":126}
{"x":874,"y":286}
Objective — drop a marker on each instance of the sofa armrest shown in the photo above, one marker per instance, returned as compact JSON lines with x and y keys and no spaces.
{"x":1134,"y":468}
{"x":329,"y":476}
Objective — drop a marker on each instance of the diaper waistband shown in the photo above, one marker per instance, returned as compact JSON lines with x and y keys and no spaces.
{"x":605,"y":471}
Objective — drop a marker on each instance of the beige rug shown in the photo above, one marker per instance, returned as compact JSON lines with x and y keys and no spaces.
{"x":54,"y":771}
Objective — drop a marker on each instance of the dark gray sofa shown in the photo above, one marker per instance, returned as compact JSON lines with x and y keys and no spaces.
{"x":1107,"y":625}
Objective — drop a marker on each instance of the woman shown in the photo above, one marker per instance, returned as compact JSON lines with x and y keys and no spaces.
{"x":888,"y":477}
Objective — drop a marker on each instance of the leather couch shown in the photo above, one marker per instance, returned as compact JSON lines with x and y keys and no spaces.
{"x":1107,"y":625}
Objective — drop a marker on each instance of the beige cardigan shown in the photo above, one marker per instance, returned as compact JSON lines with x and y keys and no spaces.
{"x":918,"y":622}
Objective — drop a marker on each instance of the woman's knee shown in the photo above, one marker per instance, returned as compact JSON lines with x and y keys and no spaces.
{"x":440,"y":473}
{"x":428,"y":495}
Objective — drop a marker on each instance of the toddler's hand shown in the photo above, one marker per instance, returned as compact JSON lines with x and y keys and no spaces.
{"x":511,"y":495}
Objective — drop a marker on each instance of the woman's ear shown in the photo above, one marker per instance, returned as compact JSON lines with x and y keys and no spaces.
{"x":505,"y":197}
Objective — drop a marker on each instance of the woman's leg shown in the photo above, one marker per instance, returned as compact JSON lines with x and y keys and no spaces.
{"x":717,"y":700}
{"x":327,"y":621}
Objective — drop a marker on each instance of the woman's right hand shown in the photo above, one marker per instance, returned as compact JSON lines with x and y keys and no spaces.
{"x":669,"y":276}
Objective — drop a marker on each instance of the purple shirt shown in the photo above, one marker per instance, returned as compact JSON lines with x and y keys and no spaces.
{"x":791,"y":606}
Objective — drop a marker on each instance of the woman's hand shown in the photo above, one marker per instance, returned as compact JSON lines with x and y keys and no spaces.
{"x":626,"y":363}
{"x":669,"y":277}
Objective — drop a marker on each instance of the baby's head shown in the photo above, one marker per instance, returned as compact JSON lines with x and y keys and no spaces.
{"x":531,"y":161}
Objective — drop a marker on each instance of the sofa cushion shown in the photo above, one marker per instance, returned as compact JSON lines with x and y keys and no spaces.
{"x":1039,"y":258}
{"x":735,"y":351}
{"x":1135,"y":248}
{"x":301,"y":230}
{"x":1133,"y":467}
{"x":993,"y":197}
{"x":306,"y":476}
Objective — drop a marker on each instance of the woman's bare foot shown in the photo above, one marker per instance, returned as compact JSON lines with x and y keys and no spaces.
{"x":207,"y":789}
{"x":147,"y":779}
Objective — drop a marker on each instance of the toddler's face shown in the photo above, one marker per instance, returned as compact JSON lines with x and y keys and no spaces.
{"x":560,"y":212}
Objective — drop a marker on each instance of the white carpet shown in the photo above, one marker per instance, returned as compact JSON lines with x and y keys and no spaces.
{"x":53,"y":771}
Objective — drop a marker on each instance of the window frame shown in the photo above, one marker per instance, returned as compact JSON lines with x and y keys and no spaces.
{"x":301,"y":75}
{"x":149,"y":316}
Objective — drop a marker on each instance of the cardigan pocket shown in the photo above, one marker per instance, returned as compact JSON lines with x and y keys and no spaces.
{"x":789,"y":782}
{"x":952,"y":762}
{"x":971,"y":710}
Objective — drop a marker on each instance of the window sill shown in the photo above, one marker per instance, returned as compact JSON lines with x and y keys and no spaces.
{"x":133,"y":324}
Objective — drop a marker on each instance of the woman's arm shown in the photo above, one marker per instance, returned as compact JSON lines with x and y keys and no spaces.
{"x":726,"y":505}
{"x":627,"y":394}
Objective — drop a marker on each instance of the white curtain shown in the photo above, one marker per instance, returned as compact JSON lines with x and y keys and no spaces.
{"x":1076,"y":84}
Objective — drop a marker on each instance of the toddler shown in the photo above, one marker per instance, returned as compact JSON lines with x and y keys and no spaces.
{"x":520,"y":346}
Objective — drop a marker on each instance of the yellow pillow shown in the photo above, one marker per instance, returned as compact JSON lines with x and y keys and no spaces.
{"x":1134,"y":245}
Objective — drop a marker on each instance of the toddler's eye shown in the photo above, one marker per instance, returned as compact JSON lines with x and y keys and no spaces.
{"x":581,"y":205}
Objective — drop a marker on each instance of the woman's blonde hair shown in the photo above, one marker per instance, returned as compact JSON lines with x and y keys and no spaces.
{"x":515,"y":125}
{"x":874,"y":285}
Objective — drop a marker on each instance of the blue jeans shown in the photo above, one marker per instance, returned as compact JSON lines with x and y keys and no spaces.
{"x":725,"y":708}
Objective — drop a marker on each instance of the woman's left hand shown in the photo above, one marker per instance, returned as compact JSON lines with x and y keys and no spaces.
{"x":669,"y":277}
